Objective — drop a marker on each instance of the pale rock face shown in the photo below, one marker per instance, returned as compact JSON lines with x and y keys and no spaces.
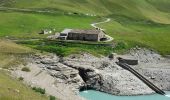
{"x":103,"y":74}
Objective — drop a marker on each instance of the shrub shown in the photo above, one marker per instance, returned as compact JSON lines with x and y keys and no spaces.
{"x":121,"y":45}
{"x":26,"y":69}
{"x":40,"y":90}
{"x":52,"y":97}
{"x":21,"y":78}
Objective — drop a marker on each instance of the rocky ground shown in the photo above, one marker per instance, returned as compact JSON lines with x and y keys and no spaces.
{"x":153,"y":67}
{"x":64,"y":77}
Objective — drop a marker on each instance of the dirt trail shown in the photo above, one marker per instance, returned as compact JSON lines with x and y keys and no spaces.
{"x":106,"y":21}
{"x":94,"y":24}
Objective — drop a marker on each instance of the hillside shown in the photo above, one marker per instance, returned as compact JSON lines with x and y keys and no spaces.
{"x":12,"y":88}
{"x":134,"y":23}
{"x":155,"y":10}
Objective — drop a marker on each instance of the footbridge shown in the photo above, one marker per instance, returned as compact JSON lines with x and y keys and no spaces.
{"x":142,"y":78}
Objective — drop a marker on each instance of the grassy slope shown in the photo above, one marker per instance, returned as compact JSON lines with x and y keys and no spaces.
{"x":152,"y":35}
{"x":133,"y":21}
{"x":162,"y":5}
{"x":10,"y":86}
{"x":10,"y":53}
{"x":29,"y":24}
{"x":137,"y":8}
{"x":63,"y":48}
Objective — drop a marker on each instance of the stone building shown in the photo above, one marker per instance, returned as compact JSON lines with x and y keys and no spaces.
{"x":84,"y":35}
{"x":64,"y":34}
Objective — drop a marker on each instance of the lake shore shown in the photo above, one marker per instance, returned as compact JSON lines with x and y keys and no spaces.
{"x":64,"y":77}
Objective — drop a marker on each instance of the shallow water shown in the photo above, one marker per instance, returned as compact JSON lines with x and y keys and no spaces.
{"x":95,"y":95}
{"x":168,"y":95}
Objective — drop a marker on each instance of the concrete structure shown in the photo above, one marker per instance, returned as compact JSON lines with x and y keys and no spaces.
{"x":84,"y":35}
{"x":64,"y":34}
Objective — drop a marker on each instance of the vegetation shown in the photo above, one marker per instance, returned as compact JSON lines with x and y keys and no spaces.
{"x":64,"y":48}
{"x":40,"y":90}
{"x":14,"y":25}
{"x":52,"y":97}
{"x":26,"y":69}
{"x":12,"y":53}
{"x":140,"y":22}
{"x":149,"y":34}
{"x":144,"y":23}
{"x":155,"y":10}
{"x":21,"y":78}
{"x":11,"y":89}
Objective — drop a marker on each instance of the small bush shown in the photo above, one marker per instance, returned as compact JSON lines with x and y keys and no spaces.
{"x":26,"y":69}
{"x":52,"y":97}
{"x":121,"y":45}
{"x":21,"y":78}
{"x":40,"y":90}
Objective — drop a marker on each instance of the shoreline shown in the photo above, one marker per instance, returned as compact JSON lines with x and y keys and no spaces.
{"x":130,"y":95}
{"x":69,"y":74}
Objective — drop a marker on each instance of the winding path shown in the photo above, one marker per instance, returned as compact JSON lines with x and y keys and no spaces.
{"x":94,"y":24}
{"x":109,"y":38}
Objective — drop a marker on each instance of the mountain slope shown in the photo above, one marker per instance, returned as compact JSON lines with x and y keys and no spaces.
{"x":155,"y":10}
{"x":135,"y":22}
{"x":11,"y":56}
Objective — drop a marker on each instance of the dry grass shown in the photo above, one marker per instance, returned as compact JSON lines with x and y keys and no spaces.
{"x":11,"y":54}
{"x":9,"y":47}
{"x":11,"y":89}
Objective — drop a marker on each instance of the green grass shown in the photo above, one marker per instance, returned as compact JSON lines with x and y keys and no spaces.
{"x":151,"y":35}
{"x":155,"y":10}
{"x":28,"y":25}
{"x":63,"y":48}
{"x":162,"y":5}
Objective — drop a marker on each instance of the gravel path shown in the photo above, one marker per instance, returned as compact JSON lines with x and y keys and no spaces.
{"x":94,"y":24}
{"x":109,"y":38}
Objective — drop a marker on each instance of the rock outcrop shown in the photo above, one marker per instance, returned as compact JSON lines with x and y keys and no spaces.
{"x":103,"y":74}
